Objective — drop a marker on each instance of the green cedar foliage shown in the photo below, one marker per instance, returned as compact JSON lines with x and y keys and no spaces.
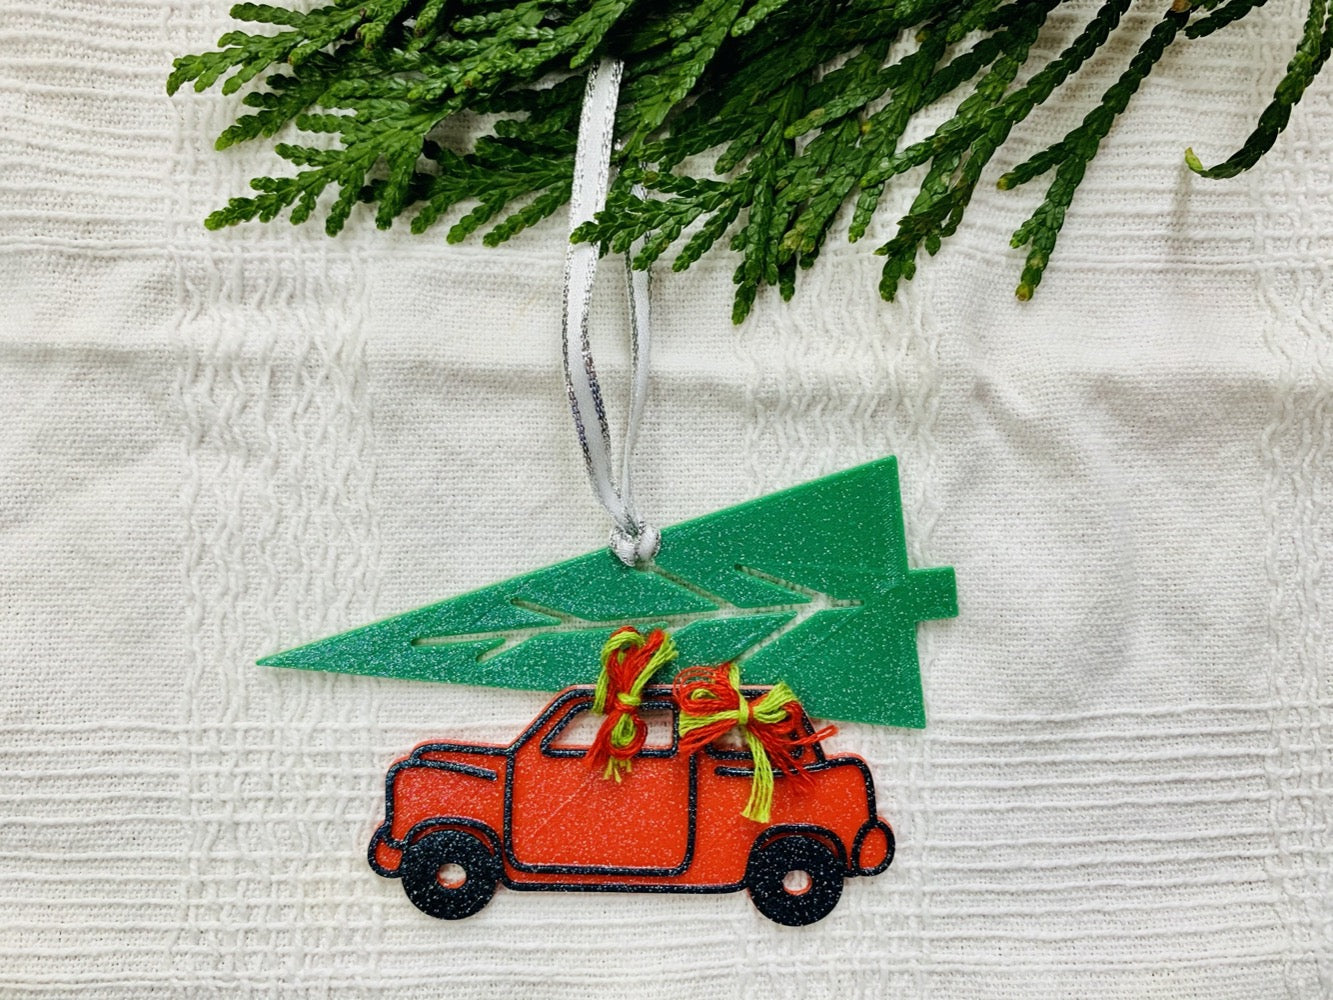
{"x":799,"y":107}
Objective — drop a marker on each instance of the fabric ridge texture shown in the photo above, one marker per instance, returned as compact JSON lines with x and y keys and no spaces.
{"x":219,"y":445}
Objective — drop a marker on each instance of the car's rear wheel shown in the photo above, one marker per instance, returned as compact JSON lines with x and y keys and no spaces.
{"x":794,"y":880}
{"x":449,"y":874}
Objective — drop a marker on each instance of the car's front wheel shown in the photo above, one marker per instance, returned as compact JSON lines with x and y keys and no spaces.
{"x":449,"y":874}
{"x":794,"y":880}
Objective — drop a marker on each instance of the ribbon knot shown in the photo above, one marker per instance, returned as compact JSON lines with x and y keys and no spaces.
{"x":629,"y":660}
{"x":773,"y":727}
{"x":636,"y":547}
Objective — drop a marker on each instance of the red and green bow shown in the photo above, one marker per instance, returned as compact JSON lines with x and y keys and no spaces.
{"x":629,"y":661}
{"x":772,"y":726}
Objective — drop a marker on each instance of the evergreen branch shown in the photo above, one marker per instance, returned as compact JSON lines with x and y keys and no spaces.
{"x":1311,"y":54}
{"x":1072,"y":154}
{"x":798,"y":108}
{"x":956,"y":134}
{"x":953,"y":176}
{"x":1221,"y":14}
{"x":287,"y":97}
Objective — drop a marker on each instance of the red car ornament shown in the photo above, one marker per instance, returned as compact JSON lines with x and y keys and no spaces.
{"x":462,"y":818}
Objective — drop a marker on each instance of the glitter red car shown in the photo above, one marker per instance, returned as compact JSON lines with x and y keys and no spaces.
{"x":462,"y":818}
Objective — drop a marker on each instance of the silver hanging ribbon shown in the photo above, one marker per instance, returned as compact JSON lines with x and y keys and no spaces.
{"x":633,"y":540}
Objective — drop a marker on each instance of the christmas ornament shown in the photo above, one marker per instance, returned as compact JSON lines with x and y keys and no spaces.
{"x":807,"y":590}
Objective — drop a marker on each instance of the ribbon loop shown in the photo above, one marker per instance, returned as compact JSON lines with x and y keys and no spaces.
{"x":632,"y":540}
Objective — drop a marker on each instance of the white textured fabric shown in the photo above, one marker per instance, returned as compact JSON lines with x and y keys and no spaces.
{"x":216,"y":445}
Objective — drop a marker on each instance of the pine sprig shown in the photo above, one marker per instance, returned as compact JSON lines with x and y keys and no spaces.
{"x":1311,"y":54}
{"x":953,"y":174}
{"x":764,"y":124}
{"x":1071,"y":155}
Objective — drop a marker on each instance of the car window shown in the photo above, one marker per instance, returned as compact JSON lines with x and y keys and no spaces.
{"x":731,"y":741}
{"x":576,"y":733}
{"x":661,"y":729}
{"x":731,"y":746}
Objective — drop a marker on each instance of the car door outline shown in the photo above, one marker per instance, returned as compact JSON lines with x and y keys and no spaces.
{"x":545,"y":734}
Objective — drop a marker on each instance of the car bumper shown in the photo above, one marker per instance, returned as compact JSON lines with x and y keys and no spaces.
{"x":383,"y":857}
{"x":872,"y":850}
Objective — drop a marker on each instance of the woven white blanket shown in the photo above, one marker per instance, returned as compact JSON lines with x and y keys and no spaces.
{"x":216,"y":445}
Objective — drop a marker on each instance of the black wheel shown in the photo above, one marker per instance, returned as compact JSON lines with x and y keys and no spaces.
{"x":449,"y":874}
{"x":794,"y":880}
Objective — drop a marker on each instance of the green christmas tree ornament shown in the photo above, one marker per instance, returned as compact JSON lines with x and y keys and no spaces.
{"x":809,"y":585}
{"x":738,"y":623}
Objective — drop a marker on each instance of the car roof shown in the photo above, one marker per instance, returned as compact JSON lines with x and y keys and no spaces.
{"x":583,"y":692}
